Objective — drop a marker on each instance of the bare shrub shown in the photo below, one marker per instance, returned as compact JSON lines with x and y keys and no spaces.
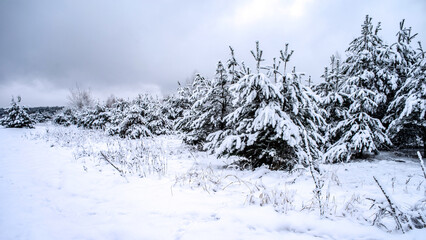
{"x":79,"y":98}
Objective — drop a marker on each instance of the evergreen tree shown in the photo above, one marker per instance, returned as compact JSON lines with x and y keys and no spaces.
{"x":176,"y":104}
{"x":302,"y":106}
{"x":65,"y":117}
{"x":359,"y":132}
{"x":333,"y":100}
{"x":134,"y":124}
{"x":220,"y":97}
{"x":403,"y":56}
{"x":258,"y":129}
{"x":158,"y":123}
{"x":367,"y":81}
{"x":268,"y":120}
{"x":117,"y":114}
{"x":197,"y":91}
{"x":210,"y":110}
{"x":97,"y":117}
{"x":368,"y":65}
{"x":409,"y":106}
{"x":17,"y":116}
{"x":403,"y":63}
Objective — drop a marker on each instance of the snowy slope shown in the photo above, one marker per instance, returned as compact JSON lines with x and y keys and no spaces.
{"x":49,"y":190}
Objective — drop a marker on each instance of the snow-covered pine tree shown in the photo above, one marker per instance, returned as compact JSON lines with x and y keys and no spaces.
{"x":359,"y":133}
{"x":134,"y":124}
{"x":65,"y":117}
{"x":17,"y":116}
{"x":41,"y":116}
{"x":258,"y":129}
{"x":403,"y":62}
{"x":409,"y":105}
{"x":367,"y":81}
{"x":403,"y":54}
{"x":322,"y":89}
{"x":369,"y":61}
{"x":198,"y":90}
{"x":102,"y":117}
{"x":174,"y":105}
{"x":84,"y":117}
{"x":117,"y":114}
{"x":302,"y":106}
{"x":210,"y":110}
{"x":97,"y":117}
{"x":158,"y":122}
{"x":333,"y":100}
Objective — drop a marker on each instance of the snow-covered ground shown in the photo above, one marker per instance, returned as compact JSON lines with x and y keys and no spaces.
{"x":55,"y":184}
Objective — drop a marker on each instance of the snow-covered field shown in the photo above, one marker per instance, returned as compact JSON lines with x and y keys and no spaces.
{"x":55,"y":183}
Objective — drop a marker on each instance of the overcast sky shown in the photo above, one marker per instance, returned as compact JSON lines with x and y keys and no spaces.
{"x":129,"y":47}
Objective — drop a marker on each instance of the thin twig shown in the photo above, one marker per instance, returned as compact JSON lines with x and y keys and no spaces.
{"x":391,"y":205}
{"x":422,"y":164}
{"x":318,"y":183}
{"x":116,"y":168}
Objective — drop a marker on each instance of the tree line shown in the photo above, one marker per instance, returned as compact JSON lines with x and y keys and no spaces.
{"x":372,"y":100}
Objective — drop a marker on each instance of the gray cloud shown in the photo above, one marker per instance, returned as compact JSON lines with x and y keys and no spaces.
{"x":126,"y":47}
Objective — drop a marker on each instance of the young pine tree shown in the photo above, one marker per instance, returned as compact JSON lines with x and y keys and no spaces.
{"x":175,"y":105}
{"x":409,"y":105}
{"x":366,"y":82}
{"x":210,"y":110}
{"x":97,"y":117}
{"x":333,"y":100}
{"x":403,"y":58}
{"x":258,"y":129}
{"x":17,"y":116}
{"x":403,"y":63}
{"x":117,"y":114}
{"x":403,"y":54}
{"x":336,"y":102}
{"x":198,"y":90}
{"x":158,"y":120}
{"x":135,"y":124}
{"x":302,"y":106}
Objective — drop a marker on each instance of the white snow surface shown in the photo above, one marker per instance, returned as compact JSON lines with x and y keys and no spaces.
{"x":47,"y":191}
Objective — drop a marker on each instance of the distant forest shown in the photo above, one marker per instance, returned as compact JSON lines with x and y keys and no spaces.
{"x":43,"y":111}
